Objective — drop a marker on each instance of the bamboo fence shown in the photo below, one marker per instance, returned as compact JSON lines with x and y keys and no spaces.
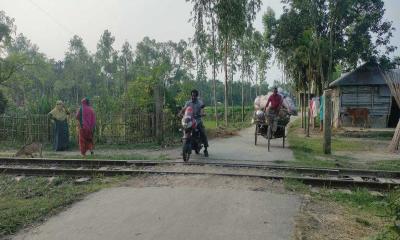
{"x":111,"y":129}
{"x":114,"y":128}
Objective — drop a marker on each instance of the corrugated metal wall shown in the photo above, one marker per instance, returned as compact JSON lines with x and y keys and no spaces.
{"x":376,"y":99}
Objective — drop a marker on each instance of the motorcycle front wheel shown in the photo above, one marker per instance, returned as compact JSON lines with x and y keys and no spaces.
{"x":186,"y":151}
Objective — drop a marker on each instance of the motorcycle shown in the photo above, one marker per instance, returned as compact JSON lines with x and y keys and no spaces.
{"x":191,"y":135}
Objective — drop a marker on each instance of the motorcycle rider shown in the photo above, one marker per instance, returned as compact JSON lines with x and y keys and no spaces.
{"x":198,"y":111}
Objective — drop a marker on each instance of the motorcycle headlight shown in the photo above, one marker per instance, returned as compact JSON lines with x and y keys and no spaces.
{"x":186,"y":123}
{"x":260,"y":114}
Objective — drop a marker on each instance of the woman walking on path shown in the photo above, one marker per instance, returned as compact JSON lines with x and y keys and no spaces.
{"x":87,"y":123}
{"x":59,"y":115}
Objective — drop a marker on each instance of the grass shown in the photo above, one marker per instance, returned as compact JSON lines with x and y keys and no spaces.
{"x":359,"y":198}
{"x":361,"y":204}
{"x":32,"y":199}
{"x":387,"y":165}
{"x":377,"y":135}
{"x":308,"y":150}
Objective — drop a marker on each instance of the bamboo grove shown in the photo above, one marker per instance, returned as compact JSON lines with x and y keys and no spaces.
{"x":124,"y":80}
{"x":227,"y":59}
{"x":316,"y":40}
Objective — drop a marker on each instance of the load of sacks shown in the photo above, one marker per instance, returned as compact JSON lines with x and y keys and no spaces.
{"x":284,"y":115}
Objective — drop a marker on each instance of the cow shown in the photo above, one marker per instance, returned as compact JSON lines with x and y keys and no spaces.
{"x":358,"y":113}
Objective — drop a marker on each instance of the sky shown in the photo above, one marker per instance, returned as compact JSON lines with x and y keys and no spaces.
{"x":51,"y":23}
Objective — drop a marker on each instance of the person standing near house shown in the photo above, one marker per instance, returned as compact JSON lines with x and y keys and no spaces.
{"x":59,"y":115}
{"x":87,"y":122}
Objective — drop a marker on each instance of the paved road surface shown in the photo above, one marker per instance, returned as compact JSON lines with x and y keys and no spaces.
{"x":236,"y":149}
{"x":166,"y":211}
{"x":173,"y":214}
{"x":242,"y":148}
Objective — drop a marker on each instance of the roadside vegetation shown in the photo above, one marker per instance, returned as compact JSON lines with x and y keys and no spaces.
{"x":347,"y":214}
{"x":308,"y":150}
{"x":28,"y":200}
{"x":355,"y":213}
{"x":349,"y":150}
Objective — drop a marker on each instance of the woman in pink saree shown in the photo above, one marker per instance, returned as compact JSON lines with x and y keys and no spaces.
{"x":87,"y":123}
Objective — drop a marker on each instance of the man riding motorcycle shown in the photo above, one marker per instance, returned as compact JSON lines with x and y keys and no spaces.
{"x":198,"y":111}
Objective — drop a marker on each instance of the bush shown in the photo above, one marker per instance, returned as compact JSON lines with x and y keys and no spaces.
{"x":3,"y":103}
{"x":394,"y":206}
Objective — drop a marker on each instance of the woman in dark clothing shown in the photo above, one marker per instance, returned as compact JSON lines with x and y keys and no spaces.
{"x":61,"y":133}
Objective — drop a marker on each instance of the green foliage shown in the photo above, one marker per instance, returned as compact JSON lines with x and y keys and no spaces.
{"x":3,"y":103}
{"x":389,"y":165}
{"x":42,"y":105}
{"x":309,"y":153}
{"x":311,"y":37}
{"x":387,"y":206}
{"x":296,"y":186}
{"x":125,"y":80}
{"x":394,"y":207}
{"x":361,"y":199}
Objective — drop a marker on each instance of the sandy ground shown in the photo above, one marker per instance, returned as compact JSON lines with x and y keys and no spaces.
{"x":177,"y":207}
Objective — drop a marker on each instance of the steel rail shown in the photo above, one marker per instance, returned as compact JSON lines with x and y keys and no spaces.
{"x":100,"y":163}
{"x":387,"y":184}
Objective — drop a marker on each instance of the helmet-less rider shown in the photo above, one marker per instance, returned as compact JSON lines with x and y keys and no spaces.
{"x":198,"y":111}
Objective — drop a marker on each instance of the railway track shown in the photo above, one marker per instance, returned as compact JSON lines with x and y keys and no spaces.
{"x":330,"y":177}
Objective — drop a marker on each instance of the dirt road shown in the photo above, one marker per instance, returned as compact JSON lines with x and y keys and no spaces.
{"x":174,"y":208}
{"x":239,"y":148}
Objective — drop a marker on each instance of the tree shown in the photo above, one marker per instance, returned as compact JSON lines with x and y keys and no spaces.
{"x":126,"y":60}
{"x":35,"y":79}
{"x":9,"y":64}
{"x":392,"y":79}
{"x":106,"y":57}
{"x":231,"y":19}
{"x":79,"y":73}
{"x":206,"y":39}
{"x":342,"y":32}
{"x":3,"y":103}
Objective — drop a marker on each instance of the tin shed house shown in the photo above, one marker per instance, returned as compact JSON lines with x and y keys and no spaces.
{"x":364,"y":88}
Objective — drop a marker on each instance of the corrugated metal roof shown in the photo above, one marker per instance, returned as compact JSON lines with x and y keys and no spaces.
{"x":366,"y":74}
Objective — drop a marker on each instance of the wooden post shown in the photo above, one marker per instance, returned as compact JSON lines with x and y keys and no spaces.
{"x":305,"y":109}
{"x":158,"y":114}
{"x":309,"y":110}
{"x":302,"y":112}
{"x":327,"y":122}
